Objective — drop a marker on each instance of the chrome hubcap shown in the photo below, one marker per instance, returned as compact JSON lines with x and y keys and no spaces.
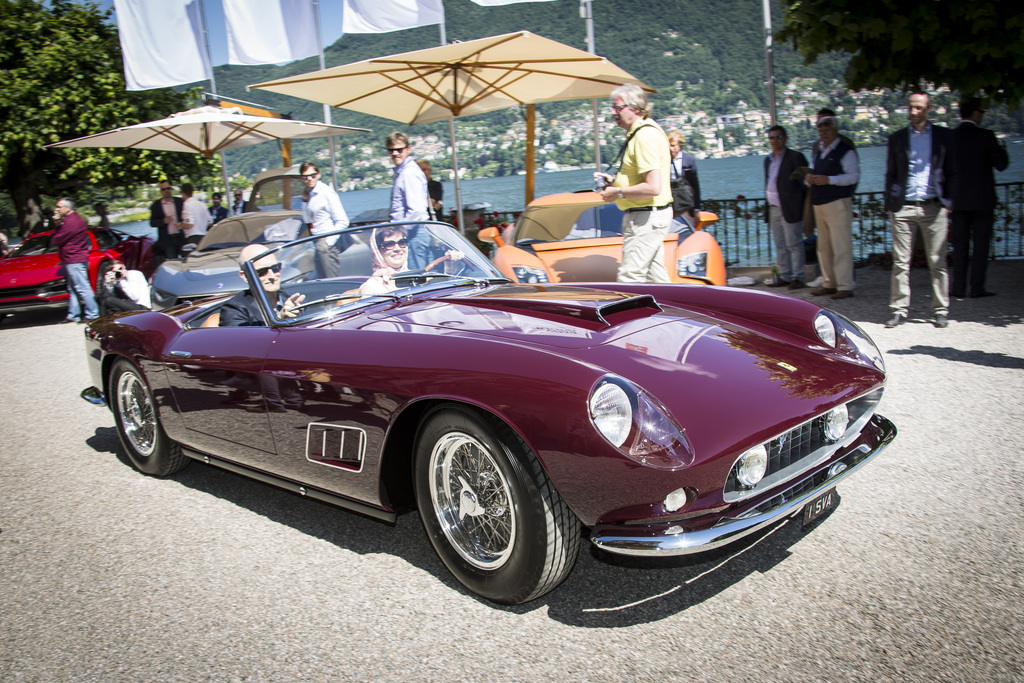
{"x":472,"y":501}
{"x":138,"y":419}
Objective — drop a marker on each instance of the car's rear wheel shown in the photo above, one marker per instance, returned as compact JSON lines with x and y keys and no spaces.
{"x":138,"y":424}
{"x":491,"y":512}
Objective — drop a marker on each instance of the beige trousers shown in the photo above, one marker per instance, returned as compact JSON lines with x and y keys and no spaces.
{"x":835,"y":243}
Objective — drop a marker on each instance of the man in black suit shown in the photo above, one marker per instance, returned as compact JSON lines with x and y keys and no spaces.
{"x":785,"y":197}
{"x":164,"y":215}
{"x":974,"y":197}
{"x":920,"y":175}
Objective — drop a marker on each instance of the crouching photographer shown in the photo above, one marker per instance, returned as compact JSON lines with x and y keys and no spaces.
{"x":123,"y":290}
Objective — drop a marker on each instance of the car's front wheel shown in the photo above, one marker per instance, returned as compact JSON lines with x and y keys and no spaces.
{"x":489,"y":509}
{"x":138,"y":424}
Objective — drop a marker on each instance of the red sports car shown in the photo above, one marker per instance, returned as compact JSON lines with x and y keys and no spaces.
{"x":31,"y":277}
{"x":662,"y":419}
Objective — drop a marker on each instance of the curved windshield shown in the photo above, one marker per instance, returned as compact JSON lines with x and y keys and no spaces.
{"x":235,"y":232}
{"x":326,"y":274}
{"x":34,"y":246}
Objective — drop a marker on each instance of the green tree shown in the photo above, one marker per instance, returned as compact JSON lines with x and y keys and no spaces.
{"x":61,"y":78}
{"x":973,"y":47}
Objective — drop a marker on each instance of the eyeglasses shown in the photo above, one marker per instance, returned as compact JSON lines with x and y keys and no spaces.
{"x":276,"y":268}
{"x":391,"y":244}
{"x":309,"y":175}
{"x":166,"y":188}
{"x":619,"y":107}
{"x":774,"y":137}
{"x":392,"y":150}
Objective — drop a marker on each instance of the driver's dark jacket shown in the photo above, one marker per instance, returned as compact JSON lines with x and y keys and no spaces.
{"x":242,"y":310}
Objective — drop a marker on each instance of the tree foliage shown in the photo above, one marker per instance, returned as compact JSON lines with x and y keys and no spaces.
{"x":973,"y":47}
{"x":61,"y":78}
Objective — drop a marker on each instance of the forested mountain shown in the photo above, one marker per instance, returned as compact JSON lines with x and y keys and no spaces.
{"x":700,"y":55}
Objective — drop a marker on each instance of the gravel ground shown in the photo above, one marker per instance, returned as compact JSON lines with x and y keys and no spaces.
{"x":109,"y":575}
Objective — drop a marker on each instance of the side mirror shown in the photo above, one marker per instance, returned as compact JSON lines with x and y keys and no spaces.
{"x":491,"y":236}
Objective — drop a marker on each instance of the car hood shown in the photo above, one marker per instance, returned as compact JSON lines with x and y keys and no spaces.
{"x":695,"y":363}
{"x":201,"y":273}
{"x":25,"y":271}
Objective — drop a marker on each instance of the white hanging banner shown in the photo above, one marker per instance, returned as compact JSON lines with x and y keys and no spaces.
{"x":161,"y":43}
{"x":270,"y":31}
{"x":383,"y":16}
{"x":495,"y":3}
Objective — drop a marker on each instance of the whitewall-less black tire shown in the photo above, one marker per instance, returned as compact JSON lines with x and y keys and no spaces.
{"x":138,"y":424}
{"x":489,"y":509}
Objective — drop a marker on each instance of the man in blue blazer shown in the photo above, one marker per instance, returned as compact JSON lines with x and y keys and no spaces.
{"x":974,"y":198}
{"x":920,"y":175}
{"x":785,"y":198}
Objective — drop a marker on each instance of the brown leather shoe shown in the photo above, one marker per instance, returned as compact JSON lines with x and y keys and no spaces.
{"x":843,"y":294}
{"x":797,"y":284}
{"x":819,"y":291}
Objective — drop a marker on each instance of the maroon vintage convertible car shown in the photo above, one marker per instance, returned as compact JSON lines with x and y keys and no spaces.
{"x":662,"y":419}
{"x":31,"y":277}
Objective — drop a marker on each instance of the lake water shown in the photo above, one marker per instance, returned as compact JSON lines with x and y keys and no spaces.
{"x":719,"y":179}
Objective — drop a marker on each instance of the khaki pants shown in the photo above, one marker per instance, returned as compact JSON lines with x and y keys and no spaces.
{"x":643,"y":246}
{"x":835,"y":243}
{"x":931,"y":221}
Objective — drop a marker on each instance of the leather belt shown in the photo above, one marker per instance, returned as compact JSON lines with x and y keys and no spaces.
{"x":645,"y":209}
{"x":920,"y":202}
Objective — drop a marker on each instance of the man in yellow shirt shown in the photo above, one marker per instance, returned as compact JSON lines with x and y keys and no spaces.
{"x":640,"y":188}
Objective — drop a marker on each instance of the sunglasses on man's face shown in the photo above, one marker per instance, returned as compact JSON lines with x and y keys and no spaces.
{"x":619,"y":107}
{"x":395,"y":150}
{"x":310,"y":176}
{"x":276,"y":268}
{"x":391,"y":244}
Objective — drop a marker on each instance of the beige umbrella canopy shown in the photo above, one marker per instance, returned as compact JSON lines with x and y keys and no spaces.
{"x":460,"y":79}
{"x":207,"y":130}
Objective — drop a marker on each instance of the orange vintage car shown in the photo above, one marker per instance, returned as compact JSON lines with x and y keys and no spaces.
{"x":576,"y":237}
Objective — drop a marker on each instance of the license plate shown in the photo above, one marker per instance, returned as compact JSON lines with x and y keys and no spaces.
{"x":820,"y":505}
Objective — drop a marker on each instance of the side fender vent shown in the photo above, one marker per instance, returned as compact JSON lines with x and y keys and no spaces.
{"x":337,"y":445}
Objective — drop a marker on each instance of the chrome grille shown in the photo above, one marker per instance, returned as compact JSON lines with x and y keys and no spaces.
{"x":800,"y":448}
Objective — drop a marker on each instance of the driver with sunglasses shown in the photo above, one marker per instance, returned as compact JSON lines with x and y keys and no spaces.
{"x":241,"y":310}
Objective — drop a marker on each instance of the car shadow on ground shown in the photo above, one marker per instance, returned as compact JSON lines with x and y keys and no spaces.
{"x":974,"y":356}
{"x":603,"y":590}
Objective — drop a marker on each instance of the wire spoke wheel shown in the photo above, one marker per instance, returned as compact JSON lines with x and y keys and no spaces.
{"x":472,"y":501}
{"x":137,"y":416}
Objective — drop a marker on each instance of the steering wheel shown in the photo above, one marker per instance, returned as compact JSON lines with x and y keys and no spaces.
{"x":437,"y":261}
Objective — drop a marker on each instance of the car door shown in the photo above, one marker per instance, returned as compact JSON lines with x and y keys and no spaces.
{"x":214,"y":373}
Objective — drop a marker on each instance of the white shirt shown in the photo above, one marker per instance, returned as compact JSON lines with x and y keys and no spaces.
{"x":324,"y":211}
{"x":195,"y":212}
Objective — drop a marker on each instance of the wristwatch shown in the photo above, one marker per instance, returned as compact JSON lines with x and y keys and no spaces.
{"x":621,"y":196}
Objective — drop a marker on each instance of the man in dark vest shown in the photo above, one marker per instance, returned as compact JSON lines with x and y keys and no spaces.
{"x":974,"y":198}
{"x":920,"y":175}
{"x":164,"y":215}
{"x":785,"y":198}
{"x":836,"y":169}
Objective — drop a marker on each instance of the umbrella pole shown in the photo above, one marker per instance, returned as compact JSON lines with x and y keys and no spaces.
{"x":531,"y":162}
{"x":455,"y":168}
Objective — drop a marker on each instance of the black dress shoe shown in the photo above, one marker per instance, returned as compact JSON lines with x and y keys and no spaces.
{"x":982,"y":293}
{"x":941,"y":320}
{"x":896,"y":319}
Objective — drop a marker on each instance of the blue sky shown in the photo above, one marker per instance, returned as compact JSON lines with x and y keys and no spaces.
{"x":330,"y":25}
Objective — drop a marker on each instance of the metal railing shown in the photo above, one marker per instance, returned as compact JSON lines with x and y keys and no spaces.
{"x":746,"y":239}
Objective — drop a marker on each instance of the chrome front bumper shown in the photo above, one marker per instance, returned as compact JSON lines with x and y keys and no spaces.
{"x":666,"y":540}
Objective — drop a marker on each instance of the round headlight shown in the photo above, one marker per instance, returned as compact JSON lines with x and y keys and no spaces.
{"x":752,"y":465}
{"x":675,"y":500}
{"x":836,"y":421}
{"x":826,"y":329}
{"x":611,"y":412}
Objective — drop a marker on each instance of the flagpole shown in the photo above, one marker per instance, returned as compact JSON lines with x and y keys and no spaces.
{"x":213,"y":87}
{"x":327,"y":107}
{"x":451,"y":134}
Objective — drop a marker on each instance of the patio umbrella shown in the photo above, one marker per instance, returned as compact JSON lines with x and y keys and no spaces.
{"x":458,"y":80}
{"x":207,"y":130}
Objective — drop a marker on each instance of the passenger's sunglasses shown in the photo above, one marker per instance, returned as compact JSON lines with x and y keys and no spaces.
{"x":391,"y":244}
{"x":276,"y":268}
